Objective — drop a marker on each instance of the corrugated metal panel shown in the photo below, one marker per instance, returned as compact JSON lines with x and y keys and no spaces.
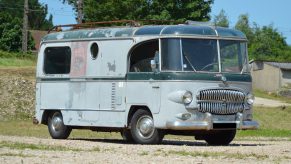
{"x":280,"y":65}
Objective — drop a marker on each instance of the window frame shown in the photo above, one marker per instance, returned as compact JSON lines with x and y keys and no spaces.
{"x":90,"y":50}
{"x":182,"y":59}
{"x":44,"y":60}
{"x":139,"y":44}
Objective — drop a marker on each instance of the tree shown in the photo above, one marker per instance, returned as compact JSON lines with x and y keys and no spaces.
{"x":268,"y":44}
{"x":221,"y":19}
{"x":11,"y":33}
{"x":244,"y":26}
{"x":265,"y":43}
{"x":37,"y":13}
{"x":179,"y":10}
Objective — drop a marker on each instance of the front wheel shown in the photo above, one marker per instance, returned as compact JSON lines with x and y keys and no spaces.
{"x":143,"y":130}
{"x":222,"y":137}
{"x":56,"y":126}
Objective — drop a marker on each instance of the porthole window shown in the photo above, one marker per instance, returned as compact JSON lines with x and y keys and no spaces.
{"x":94,"y":50}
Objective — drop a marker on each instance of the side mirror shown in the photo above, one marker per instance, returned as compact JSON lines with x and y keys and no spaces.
{"x":257,"y":65}
{"x":153,"y":64}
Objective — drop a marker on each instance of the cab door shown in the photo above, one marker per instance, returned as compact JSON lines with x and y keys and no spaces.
{"x":143,"y":86}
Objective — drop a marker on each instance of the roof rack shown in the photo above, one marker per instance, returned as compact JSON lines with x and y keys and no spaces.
{"x":132,"y":23}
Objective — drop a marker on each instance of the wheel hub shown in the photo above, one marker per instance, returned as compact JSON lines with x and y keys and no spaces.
{"x":56,"y":123}
{"x":145,"y":127}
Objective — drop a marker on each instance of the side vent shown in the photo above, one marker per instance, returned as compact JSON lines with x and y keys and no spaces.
{"x":113,"y":96}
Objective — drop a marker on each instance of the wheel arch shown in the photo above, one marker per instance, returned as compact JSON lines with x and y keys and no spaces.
{"x":135,"y":108}
{"x":46,"y":113}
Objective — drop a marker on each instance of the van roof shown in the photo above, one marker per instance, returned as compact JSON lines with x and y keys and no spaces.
{"x":158,"y":30}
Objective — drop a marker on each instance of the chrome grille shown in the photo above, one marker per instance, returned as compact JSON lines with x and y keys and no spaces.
{"x":220,"y":101}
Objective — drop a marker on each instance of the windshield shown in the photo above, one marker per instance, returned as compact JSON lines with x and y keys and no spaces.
{"x":233,"y":56}
{"x":202,"y":55}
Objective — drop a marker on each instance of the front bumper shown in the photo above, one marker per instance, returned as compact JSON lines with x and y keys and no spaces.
{"x":207,"y":124}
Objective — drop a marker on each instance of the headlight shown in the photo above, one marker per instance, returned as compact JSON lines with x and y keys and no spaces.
{"x":187,"y":97}
{"x":250,"y":99}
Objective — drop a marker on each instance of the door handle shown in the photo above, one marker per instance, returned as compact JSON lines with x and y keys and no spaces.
{"x":156,"y":87}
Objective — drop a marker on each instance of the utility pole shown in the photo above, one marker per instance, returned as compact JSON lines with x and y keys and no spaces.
{"x":80,"y":11}
{"x":25,"y":27}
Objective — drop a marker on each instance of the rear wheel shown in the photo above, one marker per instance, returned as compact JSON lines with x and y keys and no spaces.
{"x":222,"y":137}
{"x":56,"y":126}
{"x":143,"y":130}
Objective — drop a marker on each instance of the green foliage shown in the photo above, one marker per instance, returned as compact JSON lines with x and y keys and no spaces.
{"x":9,"y":59}
{"x":221,"y":19}
{"x":107,"y":10}
{"x":11,"y":16}
{"x":265,"y":43}
{"x":36,"y":16}
{"x":269,"y":44}
{"x":11,"y":33}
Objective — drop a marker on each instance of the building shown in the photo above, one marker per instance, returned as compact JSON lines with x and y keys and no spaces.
{"x":271,"y":76}
{"x":37,"y":36}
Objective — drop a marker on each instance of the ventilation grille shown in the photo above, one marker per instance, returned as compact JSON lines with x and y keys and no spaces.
{"x":220,"y":101}
{"x":113,"y":96}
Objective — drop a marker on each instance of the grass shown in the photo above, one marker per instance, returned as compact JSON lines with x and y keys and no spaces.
{"x":23,"y":146}
{"x":16,"y":62}
{"x":217,"y":154}
{"x":16,"y":128}
{"x":274,"y":123}
{"x":16,"y":155}
{"x":14,"y":59}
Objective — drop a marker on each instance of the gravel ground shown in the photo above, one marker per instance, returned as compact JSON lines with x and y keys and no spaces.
{"x":117,"y":151}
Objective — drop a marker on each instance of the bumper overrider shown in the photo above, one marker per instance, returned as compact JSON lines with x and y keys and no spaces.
{"x":207,"y":123}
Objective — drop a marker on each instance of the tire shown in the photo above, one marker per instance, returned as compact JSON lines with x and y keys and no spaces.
{"x":223,"y":137}
{"x":143,"y":130}
{"x":126,"y":135}
{"x":56,"y":126}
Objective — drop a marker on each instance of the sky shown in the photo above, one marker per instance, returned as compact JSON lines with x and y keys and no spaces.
{"x":263,"y":12}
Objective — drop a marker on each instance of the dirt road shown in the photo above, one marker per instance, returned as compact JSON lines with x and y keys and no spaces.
{"x":36,"y":150}
{"x":269,"y":102}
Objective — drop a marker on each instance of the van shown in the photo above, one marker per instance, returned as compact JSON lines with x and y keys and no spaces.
{"x":146,"y":82}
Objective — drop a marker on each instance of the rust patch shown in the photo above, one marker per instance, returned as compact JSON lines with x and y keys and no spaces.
{"x":79,"y":59}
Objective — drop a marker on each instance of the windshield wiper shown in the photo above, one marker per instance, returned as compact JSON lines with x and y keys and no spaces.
{"x":189,"y":62}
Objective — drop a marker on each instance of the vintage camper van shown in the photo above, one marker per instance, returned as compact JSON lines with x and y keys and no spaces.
{"x":146,"y":82}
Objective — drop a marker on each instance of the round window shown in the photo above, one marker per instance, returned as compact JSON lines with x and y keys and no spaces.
{"x":94,"y":50}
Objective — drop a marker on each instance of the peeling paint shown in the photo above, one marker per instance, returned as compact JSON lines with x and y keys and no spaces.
{"x":111,"y":67}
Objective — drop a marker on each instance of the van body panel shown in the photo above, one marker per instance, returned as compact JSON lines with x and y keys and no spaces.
{"x":95,"y":77}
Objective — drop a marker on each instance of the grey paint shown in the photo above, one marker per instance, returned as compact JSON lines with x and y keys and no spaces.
{"x":90,"y":96}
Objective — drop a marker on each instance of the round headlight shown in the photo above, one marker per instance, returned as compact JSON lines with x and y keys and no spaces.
{"x":250,"y":99}
{"x":187,"y":97}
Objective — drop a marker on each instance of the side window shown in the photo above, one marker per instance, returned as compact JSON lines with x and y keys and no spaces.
{"x":57,"y":60}
{"x":141,"y":56}
{"x":94,"y":49}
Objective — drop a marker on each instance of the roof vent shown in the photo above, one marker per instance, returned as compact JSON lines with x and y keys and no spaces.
{"x":190,"y":22}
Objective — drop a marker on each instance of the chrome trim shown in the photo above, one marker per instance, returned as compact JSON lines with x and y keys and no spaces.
{"x":249,"y":125}
{"x":207,"y":123}
{"x":179,"y":125}
{"x":221,"y":101}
